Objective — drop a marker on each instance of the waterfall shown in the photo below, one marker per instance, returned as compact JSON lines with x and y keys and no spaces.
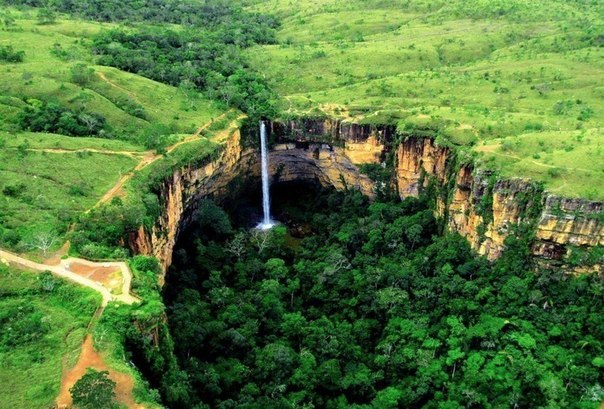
{"x":267,"y":222}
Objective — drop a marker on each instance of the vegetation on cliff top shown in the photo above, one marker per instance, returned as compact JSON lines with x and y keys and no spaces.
{"x":474,"y":72}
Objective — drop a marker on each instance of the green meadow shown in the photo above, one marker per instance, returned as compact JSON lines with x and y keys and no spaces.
{"x":504,"y":73}
{"x":48,"y":179}
{"x":130,"y":103}
{"x":44,"y":191}
{"x":43,"y":321}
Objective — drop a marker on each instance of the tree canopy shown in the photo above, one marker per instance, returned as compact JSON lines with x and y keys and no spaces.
{"x":376,"y":309}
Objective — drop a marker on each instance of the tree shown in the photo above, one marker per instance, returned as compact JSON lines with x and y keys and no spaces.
{"x":42,"y":240}
{"x":211,"y":217}
{"x":237,"y":245}
{"x":414,"y":234}
{"x":91,"y":122}
{"x":7,"y":20}
{"x":46,"y":15}
{"x":81,"y":74}
{"x":8,"y":54}
{"x":260,"y":239}
{"x":94,"y":390}
{"x":387,"y":398}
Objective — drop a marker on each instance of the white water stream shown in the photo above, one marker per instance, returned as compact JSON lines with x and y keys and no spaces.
{"x":267,"y":222}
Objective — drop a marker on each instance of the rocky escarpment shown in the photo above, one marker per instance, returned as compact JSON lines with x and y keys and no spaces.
{"x":325,"y":164}
{"x":416,"y":159}
{"x":567,"y":222}
{"x":486,"y":210}
{"x":361,"y":143}
{"x":235,"y":168}
{"x":331,"y":130}
{"x":178,"y":193}
{"x":472,"y":202}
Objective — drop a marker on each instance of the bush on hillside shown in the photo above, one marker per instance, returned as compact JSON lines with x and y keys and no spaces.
{"x":8,"y":54}
{"x":40,"y":116}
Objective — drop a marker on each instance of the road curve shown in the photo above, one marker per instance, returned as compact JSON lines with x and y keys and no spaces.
{"x":62,"y":270}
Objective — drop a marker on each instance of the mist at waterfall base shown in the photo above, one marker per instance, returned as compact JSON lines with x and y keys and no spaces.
{"x":267,"y":222}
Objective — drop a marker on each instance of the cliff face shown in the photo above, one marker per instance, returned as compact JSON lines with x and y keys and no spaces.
{"x":472,"y":202}
{"x":324,"y":164}
{"x":178,"y":193}
{"x":485,"y":210}
{"x":361,"y":143}
{"x":417,"y":158}
{"x":328,"y":165}
{"x":568,"y":221}
{"x":330,"y":130}
{"x":487,"y":214}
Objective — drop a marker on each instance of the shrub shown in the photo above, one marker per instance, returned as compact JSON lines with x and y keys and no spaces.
{"x":586,"y":114}
{"x":8,"y":54}
{"x":20,"y":324}
{"x":81,"y":74}
{"x":46,"y":16}
{"x":94,"y":390}
{"x":14,"y":190}
{"x":40,"y":116}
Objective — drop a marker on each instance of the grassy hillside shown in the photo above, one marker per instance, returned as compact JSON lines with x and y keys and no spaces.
{"x":42,"y":321}
{"x":499,"y":73}
{"x":45,"y":190}
{"x":48,"y":179}
{"x":130,"y":103}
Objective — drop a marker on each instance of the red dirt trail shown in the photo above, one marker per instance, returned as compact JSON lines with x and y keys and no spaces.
{"x":89,"y":358}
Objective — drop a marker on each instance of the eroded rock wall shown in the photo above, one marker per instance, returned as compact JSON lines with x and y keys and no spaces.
{"x":330,"y":130}
{"x":361,"y":143}
{"x":486,"y":210}
{"x":566,"y":222}
{"x":328,"y":165}
{"x":179,"y":193}
{"x":473,"y":203}
{"x":416,"y":159}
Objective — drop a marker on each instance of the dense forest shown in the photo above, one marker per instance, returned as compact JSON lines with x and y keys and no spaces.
{"x":209,"y":61}
{"x":369,"y":307}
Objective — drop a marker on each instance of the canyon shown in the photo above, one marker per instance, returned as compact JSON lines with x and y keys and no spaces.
{"x":471,"y":201}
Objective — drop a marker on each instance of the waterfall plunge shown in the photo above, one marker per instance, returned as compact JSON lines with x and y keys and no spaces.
{"x":267,"y":222}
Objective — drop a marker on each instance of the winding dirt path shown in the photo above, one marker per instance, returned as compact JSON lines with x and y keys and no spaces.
{"x":90,"y":358}
{"x":103,"y":77}
{"x":92,"y":275}
{"x":63,"y":269}
{"x":150,"y":157}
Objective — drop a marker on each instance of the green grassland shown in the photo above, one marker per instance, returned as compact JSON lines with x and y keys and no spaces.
{"x":42,"y":140}
{"x":45,"y":191}
{"x":472,"y":71}
{"x":50,"y":53}
{"x":43,"y":321}
{"x":567,"y":161}
{"x":50,"y":178}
